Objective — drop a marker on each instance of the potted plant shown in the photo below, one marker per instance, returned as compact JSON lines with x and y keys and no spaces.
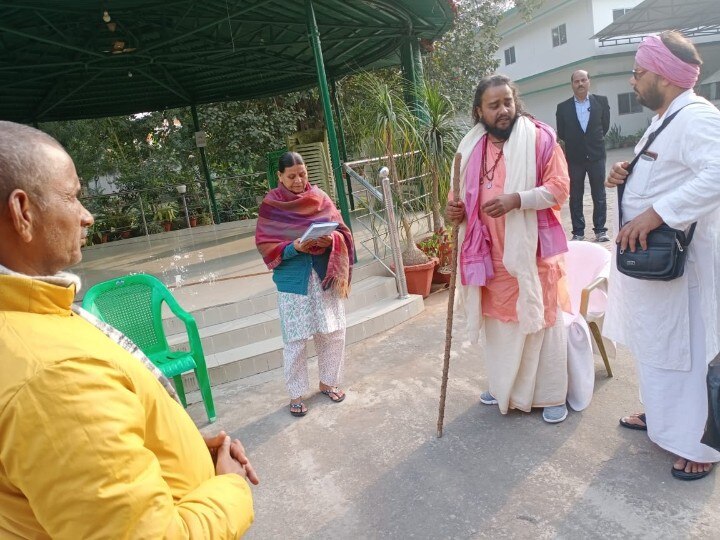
{"x":204,"y":219}
{"x":438,"y":246}
{"x":122,"y":222}
{"x":154,"y":228}
{"x":100,"y":229}
{"x":389,"y":128}
{"x":165,"y":213}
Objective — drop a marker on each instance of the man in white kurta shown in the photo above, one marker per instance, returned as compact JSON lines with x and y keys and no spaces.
{"x":672,"y":327}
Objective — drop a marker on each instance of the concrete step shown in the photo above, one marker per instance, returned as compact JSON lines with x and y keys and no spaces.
{"x":260,"y":300}
{"x":266,"y":354}
{"x":242,"y":331}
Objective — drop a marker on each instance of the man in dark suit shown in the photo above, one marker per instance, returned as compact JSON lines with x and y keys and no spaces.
{"x":582,"y":122}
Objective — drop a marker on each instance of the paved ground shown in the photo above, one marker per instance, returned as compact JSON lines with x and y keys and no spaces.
{"x":372,"y":466}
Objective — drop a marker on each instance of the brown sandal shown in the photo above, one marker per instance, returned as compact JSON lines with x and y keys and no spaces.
{"x":334,"y":391}
{"x":640,"y":416}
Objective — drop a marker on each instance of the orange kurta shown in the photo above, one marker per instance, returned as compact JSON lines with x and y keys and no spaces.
{"x":500,"y":295}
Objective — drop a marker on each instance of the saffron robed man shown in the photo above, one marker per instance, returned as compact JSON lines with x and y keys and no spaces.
{"x":671,"y":327}
{"x":512,"y":169}
{"x":93,"y":442}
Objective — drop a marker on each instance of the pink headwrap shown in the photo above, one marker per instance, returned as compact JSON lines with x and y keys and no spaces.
{"x":653,"y":55}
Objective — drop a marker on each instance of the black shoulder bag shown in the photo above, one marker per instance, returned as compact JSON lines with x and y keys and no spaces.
{"x":664,"y":258}
{"x":711,"y":437}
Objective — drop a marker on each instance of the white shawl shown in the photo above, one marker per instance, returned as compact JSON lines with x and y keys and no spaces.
{"x":521,"y":232}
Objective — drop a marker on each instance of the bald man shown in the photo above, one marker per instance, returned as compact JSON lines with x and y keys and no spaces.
{"x":582,"y":123}
{"x":93,"y":442}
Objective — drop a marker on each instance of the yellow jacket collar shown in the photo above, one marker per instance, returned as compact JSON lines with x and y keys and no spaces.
{"x":27,"y":294}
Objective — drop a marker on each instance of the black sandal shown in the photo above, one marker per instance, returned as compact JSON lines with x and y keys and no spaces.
{"x":628,"y":425}
{"x":296,"y":409}
{"x":680,"y":474}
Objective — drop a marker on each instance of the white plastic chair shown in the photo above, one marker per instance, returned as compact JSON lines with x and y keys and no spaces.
{"x":588,"y":268}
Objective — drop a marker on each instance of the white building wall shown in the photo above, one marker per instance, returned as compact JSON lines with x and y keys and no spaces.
{"x":543,"y":72}
{"x":543,"y":104}
{"x":534,"y":51}
{"x":602,"y":11}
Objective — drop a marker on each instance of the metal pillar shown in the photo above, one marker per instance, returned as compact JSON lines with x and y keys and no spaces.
{"x":412,"y":72}
{"x":206,"y":170}
{"x":142,"y":213}
{"x":341,"y":138}
{"x":314,"y":37}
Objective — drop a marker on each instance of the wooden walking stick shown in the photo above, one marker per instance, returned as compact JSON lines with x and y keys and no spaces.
{"x":451,"y":299}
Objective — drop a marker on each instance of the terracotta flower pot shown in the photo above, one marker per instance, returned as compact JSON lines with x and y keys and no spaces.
{"x":167,"y":225}
{"x":441,"y":275}
{"x":419,"y":277}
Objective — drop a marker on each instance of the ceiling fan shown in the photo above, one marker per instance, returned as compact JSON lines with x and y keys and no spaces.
{"x":118,"y":45}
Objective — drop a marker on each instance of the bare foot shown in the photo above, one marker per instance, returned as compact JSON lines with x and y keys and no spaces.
{"x":297,"y":407}
{"x":634,"y":421}
{"x":691,"y":466}
{"x":333,"y":392}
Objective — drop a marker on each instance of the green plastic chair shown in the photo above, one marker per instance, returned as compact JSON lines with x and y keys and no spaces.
{"x":133,"y":305}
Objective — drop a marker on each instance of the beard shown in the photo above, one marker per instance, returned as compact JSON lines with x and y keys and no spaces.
{"x":651,"y":98}
{"x":499,"y":133}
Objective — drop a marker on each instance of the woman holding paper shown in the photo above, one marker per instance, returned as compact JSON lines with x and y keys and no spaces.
{"x":312,"y":277}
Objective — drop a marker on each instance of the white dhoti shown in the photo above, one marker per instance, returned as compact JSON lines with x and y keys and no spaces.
{"x":675,"y":401}
{"x":526,"y":370}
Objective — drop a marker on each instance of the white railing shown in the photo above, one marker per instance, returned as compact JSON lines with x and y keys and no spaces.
{"x":376,"y":209}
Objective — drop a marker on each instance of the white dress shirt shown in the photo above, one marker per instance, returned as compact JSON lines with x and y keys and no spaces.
{"x":582,"y":109}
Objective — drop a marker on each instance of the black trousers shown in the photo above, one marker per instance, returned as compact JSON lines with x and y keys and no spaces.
{"x":595,"y":171}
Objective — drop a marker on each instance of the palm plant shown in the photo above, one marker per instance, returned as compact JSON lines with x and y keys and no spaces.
{"x":439,"y":136}
{"x":383,"y":124}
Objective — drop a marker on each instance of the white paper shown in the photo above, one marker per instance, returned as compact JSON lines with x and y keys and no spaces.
{"x":316,"y":230}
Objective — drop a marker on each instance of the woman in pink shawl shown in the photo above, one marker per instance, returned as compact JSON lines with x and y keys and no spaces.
{"x":312,"y":278}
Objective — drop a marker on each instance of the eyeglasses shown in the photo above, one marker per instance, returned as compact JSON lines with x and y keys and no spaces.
{"x":638,"y":73}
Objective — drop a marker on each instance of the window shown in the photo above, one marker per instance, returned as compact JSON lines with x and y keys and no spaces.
{"x":510,"y":56}
{"x":627,"y":104}
{"x":710,"y":91}
{"x":617,"y":13}
{"x":559,"y":35}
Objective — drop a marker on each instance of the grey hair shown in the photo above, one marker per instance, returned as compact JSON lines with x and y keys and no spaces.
{"x":23,"y":164}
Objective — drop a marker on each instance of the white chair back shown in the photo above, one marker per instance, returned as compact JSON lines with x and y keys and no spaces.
{"x":585,"y":262}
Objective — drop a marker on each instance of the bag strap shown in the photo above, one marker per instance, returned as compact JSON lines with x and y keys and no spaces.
{"x":631,"y":166}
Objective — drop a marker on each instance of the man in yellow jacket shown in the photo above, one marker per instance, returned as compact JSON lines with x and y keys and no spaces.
{"x":92,"y":445}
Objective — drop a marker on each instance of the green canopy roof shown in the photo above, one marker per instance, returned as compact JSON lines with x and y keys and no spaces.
{"x":93,"y":58}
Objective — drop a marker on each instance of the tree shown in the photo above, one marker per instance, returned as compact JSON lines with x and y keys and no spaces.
{"x":465,"y":54}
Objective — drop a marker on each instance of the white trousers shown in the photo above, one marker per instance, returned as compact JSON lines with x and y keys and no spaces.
{"x":675,"y":401}
{"x":330,"y":350}
{"x":526,"y":371}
